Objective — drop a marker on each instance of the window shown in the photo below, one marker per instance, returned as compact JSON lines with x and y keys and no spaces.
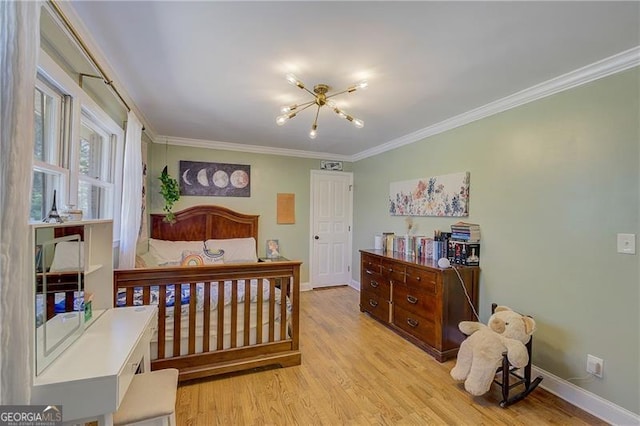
{"x":95,"y":169}
{"x":48,"y":173}
{"x":77,"y":150}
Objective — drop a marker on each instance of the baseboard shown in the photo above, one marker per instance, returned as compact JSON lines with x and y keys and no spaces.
{"x":355,"y":285}
{"x":305,"y":287}
{"x":585,"y":400}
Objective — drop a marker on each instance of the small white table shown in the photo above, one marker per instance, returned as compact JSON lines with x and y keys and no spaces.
{"x":90,"y":378}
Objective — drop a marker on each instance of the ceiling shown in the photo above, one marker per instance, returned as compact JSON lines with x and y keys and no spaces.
{"x":215,"y":71}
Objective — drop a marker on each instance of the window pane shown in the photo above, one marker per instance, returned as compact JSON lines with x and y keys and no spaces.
{"x":42,"y":194}
{"x":95,"y":153}
{"x":94,"y":201}
{"x":46,"y":116}
{"x":38,"y":149}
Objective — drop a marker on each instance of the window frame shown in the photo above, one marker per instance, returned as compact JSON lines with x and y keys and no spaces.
{"x":80,"y":105}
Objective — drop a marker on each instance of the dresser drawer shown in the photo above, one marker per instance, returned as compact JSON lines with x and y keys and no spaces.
{"x":415,"y":301}
{"x":415,"y":325}
{"x":422,"y":279}
{"x":374,"y":305}
{"x":371,"y":264}
{"x":375,"y":283}
{"x":393,"y":271}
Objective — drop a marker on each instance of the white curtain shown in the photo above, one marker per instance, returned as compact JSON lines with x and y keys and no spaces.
{"x":19,"y":44}
{"x":131,"y":193}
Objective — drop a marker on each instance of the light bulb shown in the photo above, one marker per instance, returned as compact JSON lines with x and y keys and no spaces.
{"x":331,"y":103}
{"x":362,"y":85}
{"x":358,"y":123}
{"x":340,"y":112}
{"x":282,"y":119}
{"x":288,"y":108}
{"x":292,"y":79}
{"x":313,"y":133}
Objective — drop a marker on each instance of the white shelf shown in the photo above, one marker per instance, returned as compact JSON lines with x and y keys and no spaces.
{"x":92,"y":268}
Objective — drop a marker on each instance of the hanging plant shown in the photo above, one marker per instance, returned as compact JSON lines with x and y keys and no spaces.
{"x":170,"y":192}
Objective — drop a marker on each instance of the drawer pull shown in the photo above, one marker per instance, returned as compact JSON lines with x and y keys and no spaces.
{"x":412,"y":299}
{"x":374,"y":284}
{"x":373,"y":303}
{"x":412,"y":323}
{"x":418,"y":278}
{"x":369,"y":272}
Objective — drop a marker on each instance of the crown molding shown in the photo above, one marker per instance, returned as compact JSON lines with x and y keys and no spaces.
{"x":254,"y":149}
{"x":603,"y":68}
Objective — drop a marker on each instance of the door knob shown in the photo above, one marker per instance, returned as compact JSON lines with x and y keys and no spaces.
{"x":316,"y":237}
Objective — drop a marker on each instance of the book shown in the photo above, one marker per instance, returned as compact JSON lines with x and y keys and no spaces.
{"x":465,"y":231}
{"x":387,"y":242}
{"x":465,"y":253}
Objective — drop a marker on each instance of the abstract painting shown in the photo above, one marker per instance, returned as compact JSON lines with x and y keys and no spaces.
{"x":445,"y":195}
{"x":215,"y":179}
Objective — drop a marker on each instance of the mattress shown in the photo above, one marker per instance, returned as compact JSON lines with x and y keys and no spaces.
{"x":185,"y":296}
{"x":213,"y":330}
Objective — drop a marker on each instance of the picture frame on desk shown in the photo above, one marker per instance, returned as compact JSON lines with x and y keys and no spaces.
{"x":273,"y":249}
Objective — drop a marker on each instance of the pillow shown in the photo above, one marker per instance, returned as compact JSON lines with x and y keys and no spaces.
{"x":140,"y":263}
{"x":146,"y":260}
{"x":195,"y":258}
{"x":171,"y":251}
{"x":235,"y":249}
{"x":65,"y":257}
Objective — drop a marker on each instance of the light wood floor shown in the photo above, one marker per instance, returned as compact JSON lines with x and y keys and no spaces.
{"x":357,"y":372}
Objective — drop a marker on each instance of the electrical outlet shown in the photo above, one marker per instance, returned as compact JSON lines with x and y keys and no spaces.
{"x":595,"y":366}
{"x":627,"y":243}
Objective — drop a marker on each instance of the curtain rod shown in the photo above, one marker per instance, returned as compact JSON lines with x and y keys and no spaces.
{"x":84,"y":47}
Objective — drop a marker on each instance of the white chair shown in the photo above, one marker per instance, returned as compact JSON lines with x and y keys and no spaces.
{"x":150,"y":399}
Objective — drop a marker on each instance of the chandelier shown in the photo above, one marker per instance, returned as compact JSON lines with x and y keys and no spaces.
{"x":320,"y":99}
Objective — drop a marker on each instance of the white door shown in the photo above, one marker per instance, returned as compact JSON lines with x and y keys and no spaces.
{"x":331,"y":205}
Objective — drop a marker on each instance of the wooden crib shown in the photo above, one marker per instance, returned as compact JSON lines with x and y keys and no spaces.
{"x":231,"y":317}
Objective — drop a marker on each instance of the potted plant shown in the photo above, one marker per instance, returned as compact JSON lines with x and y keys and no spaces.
{"x":170,"y":192}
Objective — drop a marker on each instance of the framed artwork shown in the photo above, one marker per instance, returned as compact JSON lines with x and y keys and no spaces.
{"x":331,"y":165}
{"x":215,"y":179}
{"x":445,"y":195}
{"x":273,"y":249}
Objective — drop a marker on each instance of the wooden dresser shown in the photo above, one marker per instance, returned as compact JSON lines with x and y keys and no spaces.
{"x":418,"y":300}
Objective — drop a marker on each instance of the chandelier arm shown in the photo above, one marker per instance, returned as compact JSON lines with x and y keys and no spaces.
{"x":315,"y":121}
{"x":340,"y":93}
{"x":307,"y":106}
{"x":310,"y":92}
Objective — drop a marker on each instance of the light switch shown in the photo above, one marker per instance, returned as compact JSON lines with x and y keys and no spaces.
{"x":627,"y":243}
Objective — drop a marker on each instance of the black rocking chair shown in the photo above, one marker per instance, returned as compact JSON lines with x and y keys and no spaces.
{"x":510,"y":378}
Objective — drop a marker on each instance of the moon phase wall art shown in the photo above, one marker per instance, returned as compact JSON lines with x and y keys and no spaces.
{"x":216,"y":179}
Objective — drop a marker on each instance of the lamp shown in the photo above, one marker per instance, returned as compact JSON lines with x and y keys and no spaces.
{"x":320,"y":99}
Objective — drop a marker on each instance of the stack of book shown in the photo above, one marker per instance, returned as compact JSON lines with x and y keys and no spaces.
{"x":464,"y":244}
{"x":440,"y":245}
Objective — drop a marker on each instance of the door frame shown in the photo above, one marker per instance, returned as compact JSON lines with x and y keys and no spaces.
{"x":349,"y":260}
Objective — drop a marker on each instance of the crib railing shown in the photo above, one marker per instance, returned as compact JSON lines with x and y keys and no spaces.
{"x":231,"y":314}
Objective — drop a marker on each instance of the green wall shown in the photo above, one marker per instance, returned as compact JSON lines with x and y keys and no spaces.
{"x":552,"y":183}
{"x":270,"y":175}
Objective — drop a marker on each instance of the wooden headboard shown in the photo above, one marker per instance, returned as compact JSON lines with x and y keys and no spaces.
{"x":201,"y":223}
